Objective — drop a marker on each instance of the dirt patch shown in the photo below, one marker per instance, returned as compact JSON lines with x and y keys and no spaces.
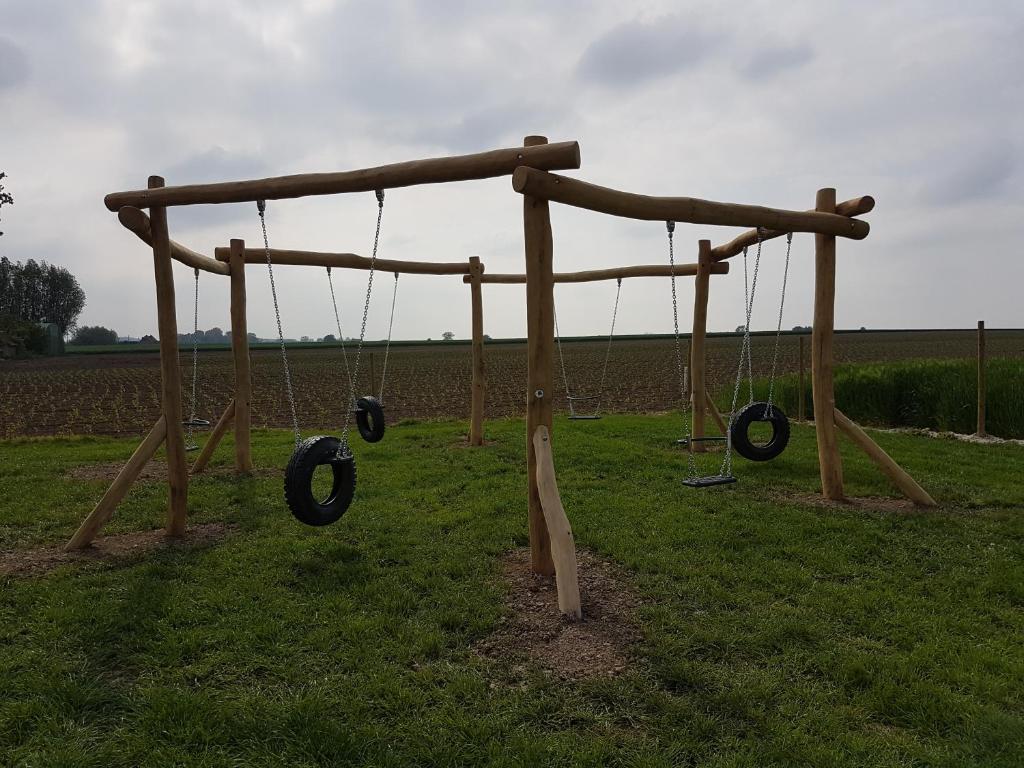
{"x":859,"y":504}
{"x":156,"y":471}
{"x":534,"y":630}
{"x":976,"y":439}
{"x":122,"y":546}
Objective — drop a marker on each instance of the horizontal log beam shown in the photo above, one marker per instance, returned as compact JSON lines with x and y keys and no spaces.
{"x":484,"y":165}
{"x":346,"y":261}
{"x":562,"y":189}
{"x":138,"y":222}
{"x":614,"y":273}
{"x":854,"y":207}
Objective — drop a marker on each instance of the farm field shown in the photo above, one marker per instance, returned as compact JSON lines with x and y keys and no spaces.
{"x":117,"y":394}
{"x":754,"y":626}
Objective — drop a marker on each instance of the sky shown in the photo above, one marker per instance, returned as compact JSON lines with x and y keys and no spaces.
{"x":920,"y":104}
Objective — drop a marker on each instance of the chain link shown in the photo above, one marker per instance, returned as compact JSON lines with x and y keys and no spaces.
{"x":344,"y":448}
{"x":778,"y":328}
{"x":561,"y":361}
{"x":190,"y":442}
{"x":683,"y":371}
{"x":341,"y":336}
{"x":387,"y":347}
{"x":261,"y":206}
{"x":608,"y":349}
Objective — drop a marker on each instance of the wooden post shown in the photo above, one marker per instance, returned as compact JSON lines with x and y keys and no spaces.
{"x":240,"y":355}
{"x":801,"y":407}
{"x":540,"y":332}
{"x":893,"y":471}
{"x":170,"y":369}
{"x":981,"y":379}
{"x":563,"y":546}
{"x":476,"y":414}
{"x":211,"y":442}
{"x":829,"y":462}
{"x":698,"y":397}
{"x":122,"y":483}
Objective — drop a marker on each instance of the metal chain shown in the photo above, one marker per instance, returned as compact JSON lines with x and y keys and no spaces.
{"x":261,"y":206}
{"x":189,"y":439}
{"x":561,"y":360}
{"x":726,"y":468}
{"x":341,"y":336}
{"x":778,"y":328}
{"x":691,"y":461}
{"x":387,"y":347}
{"x":344,"y":448}
{"x":746,"y":303}
{"x":608,"y":349}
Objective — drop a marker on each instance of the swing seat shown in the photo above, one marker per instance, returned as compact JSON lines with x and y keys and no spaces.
{"x":195,"y":423}
{"x":687,"y":441}
{"x":584,"y":418}
{"x":709,"y":481}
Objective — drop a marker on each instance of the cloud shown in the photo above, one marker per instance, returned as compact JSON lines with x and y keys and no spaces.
{"x":636,"y":52}
{"x":769,"y":61}
{"x":14,"y":67}
{"x":978,"y":174}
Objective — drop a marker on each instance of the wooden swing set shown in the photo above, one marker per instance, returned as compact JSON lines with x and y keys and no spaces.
{"x":531,"y":167}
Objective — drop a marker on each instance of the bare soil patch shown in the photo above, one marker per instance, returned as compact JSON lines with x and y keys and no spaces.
{"x":860,"y":504}
{"x":122,"y":546}
{"x":156,"y":471}
{"x":534,"y":630}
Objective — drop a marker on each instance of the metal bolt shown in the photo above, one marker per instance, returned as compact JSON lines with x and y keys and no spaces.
{"x":538,"y":393}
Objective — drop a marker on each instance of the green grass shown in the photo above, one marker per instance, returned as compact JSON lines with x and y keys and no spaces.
{"x":931,"y":394}
{"x":774,"y":632}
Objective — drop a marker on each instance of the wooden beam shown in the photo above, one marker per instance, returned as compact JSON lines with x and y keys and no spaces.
{"x":476,"y":413}
{"x":345,"y":261}
{"x":613,"y":273}
{"x":907,"y":485}
{"x":715,"y":413}
{"x":101,"y":513}
{"x":540,"y":345}
{"x":830,"y":464}
{"x":499,"y":162}
{"x":563,"y":546}
{"x":138,"y":222}
{"x":854,"y":207}
{"x":215,"y":436}
{"x":240,"y":357}
{"x":170,"y":369}
{"x":562,"y":189}
{"x":698,"y":393}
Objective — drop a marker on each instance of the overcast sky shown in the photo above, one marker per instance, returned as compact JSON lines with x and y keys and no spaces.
{"x":920,"y":104}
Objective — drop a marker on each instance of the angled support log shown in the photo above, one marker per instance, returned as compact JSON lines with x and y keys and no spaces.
{"x":563,"y":546}
{"x":715,"y":413}
{"x":137,"y":221}
{"x":101,"y":513}
{"x":907,"y":485}
{"x":211,"y":443}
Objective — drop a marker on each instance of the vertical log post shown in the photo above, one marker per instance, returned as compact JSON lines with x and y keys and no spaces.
{"x":476,"y":414}
{"x":698,"y":399}
{"x":801,"y":407}
{"x":240,"y":355}
{"x":170,"y":368}
{"x":981,"y":379}
{"x":822,"y":386}
{"x":540,"y":332}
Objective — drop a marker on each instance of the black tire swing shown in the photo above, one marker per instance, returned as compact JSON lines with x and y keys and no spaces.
{"x":305,"y":503}
{"x":754,"y":412}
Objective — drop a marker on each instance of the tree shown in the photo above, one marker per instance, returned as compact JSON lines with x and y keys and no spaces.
{"x":148,"y":339}
{"x":40,"y":292}
{"x":5,"y":197}
{"x":447,"y":335}
{"x":328,"y":339}
{"x":91,"y":335}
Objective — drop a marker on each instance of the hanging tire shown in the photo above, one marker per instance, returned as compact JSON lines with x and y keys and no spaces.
{"x":370,"y":418}
{"x":740,"y":432}
{"x":298,"y":481}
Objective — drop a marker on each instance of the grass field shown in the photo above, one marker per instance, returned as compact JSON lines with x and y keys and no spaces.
{"x":772,"y":631}
{"x":118,"y":394}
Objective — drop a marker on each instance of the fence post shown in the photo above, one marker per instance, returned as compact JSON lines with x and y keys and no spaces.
{"x":981,"y":379}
